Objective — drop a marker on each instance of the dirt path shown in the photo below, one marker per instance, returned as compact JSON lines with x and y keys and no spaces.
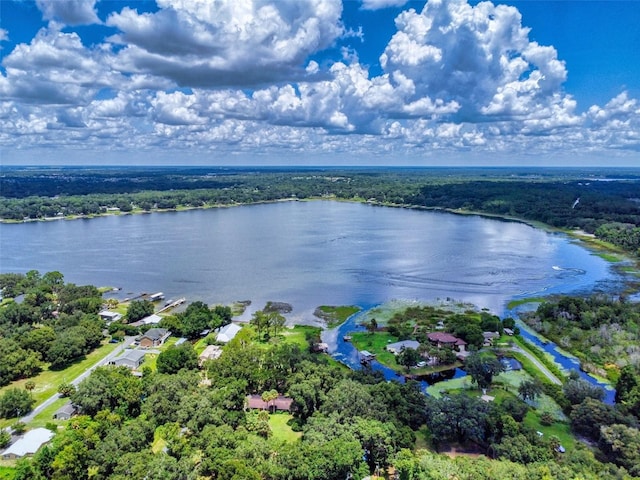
{"x":547,"y":373}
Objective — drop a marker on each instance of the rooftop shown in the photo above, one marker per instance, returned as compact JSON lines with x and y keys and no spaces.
{"x":29,"y":443}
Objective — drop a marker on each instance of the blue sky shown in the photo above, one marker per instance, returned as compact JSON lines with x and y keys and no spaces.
{"x":375,"y":82}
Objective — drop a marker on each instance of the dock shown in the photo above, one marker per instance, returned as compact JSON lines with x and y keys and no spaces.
{"x":171,"y":305}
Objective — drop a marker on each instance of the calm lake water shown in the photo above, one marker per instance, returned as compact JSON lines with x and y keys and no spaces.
{"x":307,"y":254}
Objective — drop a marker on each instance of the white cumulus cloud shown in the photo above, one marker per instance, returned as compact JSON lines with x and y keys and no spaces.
{"x":69,"y":12}
{"x":224,"y":43}
{"x":380,"y":4}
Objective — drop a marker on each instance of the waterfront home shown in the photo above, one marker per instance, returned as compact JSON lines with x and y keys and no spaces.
{"x":398,"y":347}
{"x":150,"y":320}
{"x":442,"y":339}
{"x":110,"y":317}
{"x":228,"y":332}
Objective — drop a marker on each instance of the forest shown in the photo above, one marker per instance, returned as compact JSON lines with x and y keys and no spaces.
{"x":171,"y":424}
{"x":181,"y":419}
{"x":55,"y":324}
{"x":603,"y":203}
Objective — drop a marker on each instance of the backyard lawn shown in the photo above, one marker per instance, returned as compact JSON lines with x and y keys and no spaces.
{"x":281,"y":430}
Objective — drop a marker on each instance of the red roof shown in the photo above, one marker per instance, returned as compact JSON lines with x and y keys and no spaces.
{"x":280,"y":403}
{"x":441,"y":337}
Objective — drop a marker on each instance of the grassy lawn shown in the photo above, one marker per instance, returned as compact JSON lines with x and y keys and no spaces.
{"x":523,"y":301}
{"x":559,"y":429}
{"x":280,"y":430}
{"x":337,"y":315}
{"x":610,"y":257}
{"x":46,"y":415}
{"x":150,"y":360}
{"x":297,"y":335}
{"x":462,"y":383}
{"x":47,"y":381}
{"x":7,"y":473}
{"x":376,"y":343}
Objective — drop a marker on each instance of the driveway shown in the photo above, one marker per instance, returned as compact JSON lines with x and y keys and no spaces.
{"x":106,"y":359}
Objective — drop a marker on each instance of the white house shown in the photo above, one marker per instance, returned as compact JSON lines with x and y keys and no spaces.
{"x":228,"y":332}
{"x":109,"y":317}
{"x":28,"y":444}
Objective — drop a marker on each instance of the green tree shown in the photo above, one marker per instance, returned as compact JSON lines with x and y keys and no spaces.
{"x":622,"y":445}
{"x":66,"y":389}
{"x":275,"y":321}
{"x":577,"y":390}
{"x":15,"y":402}
{"x":627,"y":381}
{"x":530,"y":389}
{"x":30,"y":386}
{"x":138,"y":309}
{"x":196,"y":318}
{"x":260,"y":321}
{"x":109,"y":388}
{"x":175,"y":358}
{"x":372,"y":326}
{"x":457,"y":418}
{"x":408,"y":357}
{"x":269,"y":396}
{"x":5,"y":438}
{"x":482,"y":367}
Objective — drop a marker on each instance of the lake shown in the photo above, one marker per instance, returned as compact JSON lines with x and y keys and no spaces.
{"x":308,"y":254}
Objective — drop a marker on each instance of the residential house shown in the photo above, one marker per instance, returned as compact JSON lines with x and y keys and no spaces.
{"x":397,"y":347}
{"x":65,"y":412}
{"x":28,"y":444}
{"x":212,"y":352}
{"x":130,"y":358}
{"x":281,"y":403}
{"x":150,"y":320}
{"x":110,"y":317}
{"x":443,"y":339}
{"x":228,"y":332}
{"x":154,"y":337}
{"x":489,"y":338}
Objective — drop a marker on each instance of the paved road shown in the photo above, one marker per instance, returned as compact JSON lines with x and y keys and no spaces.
{"x":547,"y":373}
{"x":127,"y":341}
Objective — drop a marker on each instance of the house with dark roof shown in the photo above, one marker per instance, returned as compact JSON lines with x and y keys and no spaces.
{"x":65,"y":412}
{"x":489,"y":338}
{"x":130,"y":358}
{"x":154,"y":337}
{"x":443,"y":339}
{"x":282,"y":403}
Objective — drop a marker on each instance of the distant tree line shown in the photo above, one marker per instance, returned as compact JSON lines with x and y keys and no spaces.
{"x":610,"y":210}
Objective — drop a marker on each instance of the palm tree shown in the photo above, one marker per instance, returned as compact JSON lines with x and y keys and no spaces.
{"x":269,"y":397}
{"x":30,"y":385}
